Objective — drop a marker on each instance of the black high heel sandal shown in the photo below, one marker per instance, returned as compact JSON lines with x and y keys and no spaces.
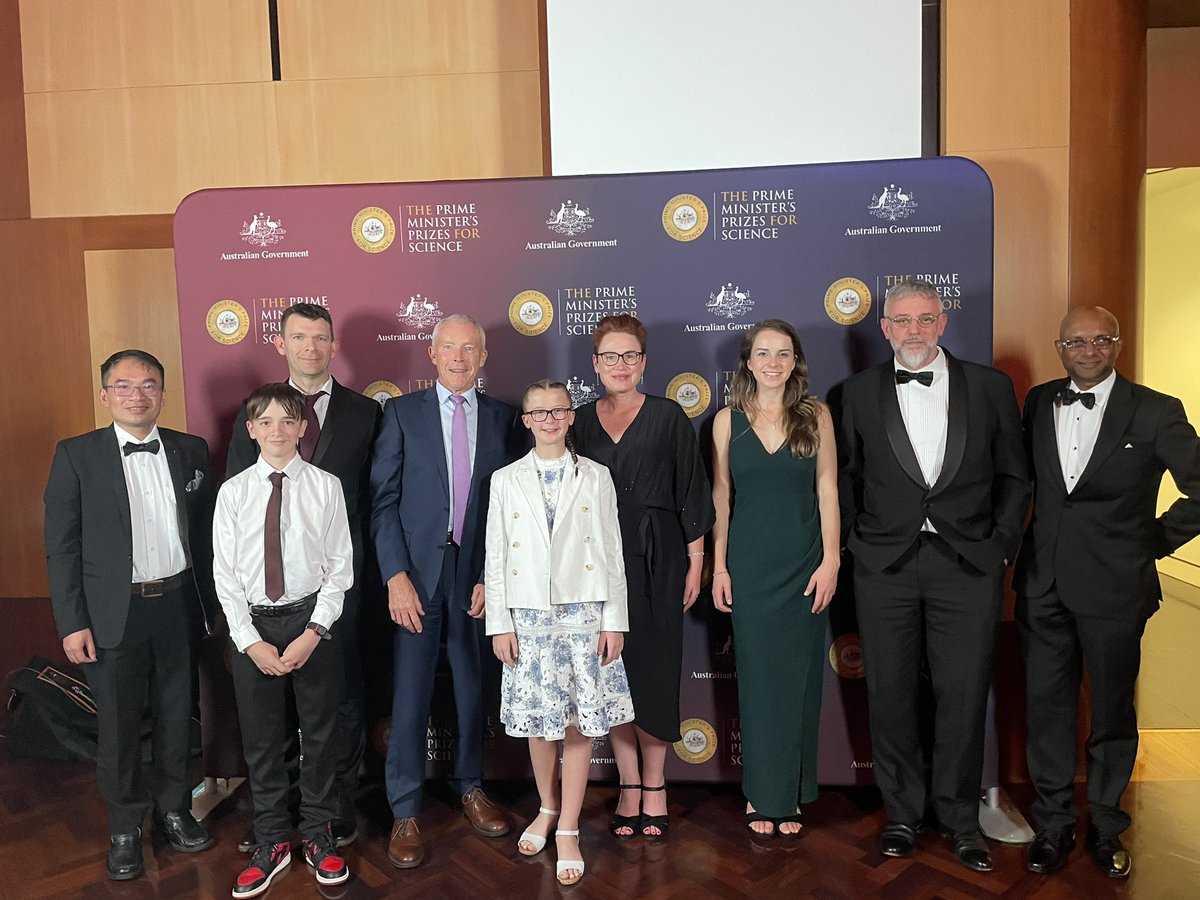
{"x":662,"y":823}
{"x":630,"y":822}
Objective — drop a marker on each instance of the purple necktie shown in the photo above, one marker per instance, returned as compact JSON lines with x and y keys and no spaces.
{"x":312,"y":434}
{"x":272,"y":544}
{"x":460,"y":455}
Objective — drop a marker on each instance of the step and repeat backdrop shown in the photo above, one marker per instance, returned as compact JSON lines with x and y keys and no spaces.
{"x":698,"y":256}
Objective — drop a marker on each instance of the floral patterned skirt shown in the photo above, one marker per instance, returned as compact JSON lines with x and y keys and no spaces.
{"x":558,"y":680}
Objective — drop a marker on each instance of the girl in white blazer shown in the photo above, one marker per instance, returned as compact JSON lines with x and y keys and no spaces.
{"x":555,"y":603}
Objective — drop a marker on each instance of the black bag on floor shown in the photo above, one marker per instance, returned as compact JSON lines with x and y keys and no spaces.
{"x":51,"y":713}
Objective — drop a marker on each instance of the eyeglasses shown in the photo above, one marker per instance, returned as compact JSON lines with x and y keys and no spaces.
{"x":539,"y":415}
{"x":1100,"y":342}
{"x":630,"y":357}
{"x":122,"y":389}
{"x":926,"y":321}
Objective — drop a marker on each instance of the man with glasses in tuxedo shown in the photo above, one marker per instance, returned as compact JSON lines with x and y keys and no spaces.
{"x":1086,"y":582}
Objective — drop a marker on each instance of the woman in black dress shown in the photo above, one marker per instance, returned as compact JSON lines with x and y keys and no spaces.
{"x":665,"y":509}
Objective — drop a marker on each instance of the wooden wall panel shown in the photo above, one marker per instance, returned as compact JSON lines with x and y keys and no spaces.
{"x":365,"y":38}
{"x":131,"y":302}
{"x":14,"y":182}
{"x":1173,"y":97}
{"x":95,"y":44}
{"x":45,"y":367}
{"x":1005,"y":74}
{"x":142,"y":150}
{"x":410,"y":129}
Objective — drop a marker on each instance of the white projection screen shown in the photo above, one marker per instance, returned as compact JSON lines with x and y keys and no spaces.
{"x":661,"y":85}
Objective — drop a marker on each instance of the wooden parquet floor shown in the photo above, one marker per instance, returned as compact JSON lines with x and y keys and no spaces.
{"x":54,"y":841}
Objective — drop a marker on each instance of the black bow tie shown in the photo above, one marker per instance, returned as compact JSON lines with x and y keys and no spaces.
{"x":903,"y":376}
{"x":148,"y":447}
{"x":1067,"y":396}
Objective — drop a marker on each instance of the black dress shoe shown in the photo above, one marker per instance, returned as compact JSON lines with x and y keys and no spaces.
{"x":182,"y":831}
{"x":1049,"y":851}
{"x":898,"y":839}
{"x":248,"y":842}
{"x":124,"y":859}
{"x":971,"y":850}
{"x":1109,"y":854}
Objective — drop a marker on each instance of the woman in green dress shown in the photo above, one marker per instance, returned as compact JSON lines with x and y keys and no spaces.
{"x":776,"y":550}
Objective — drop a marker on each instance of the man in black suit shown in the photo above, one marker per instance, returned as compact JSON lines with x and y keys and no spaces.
{"x":129,"y":554}
{"x":1086,"y":581}
{"x":340,"y":433}
{"x":933,"y":492}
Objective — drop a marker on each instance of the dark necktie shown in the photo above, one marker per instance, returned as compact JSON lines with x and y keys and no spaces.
{"x":272,"y":544}
{"x":903,"y":376}
{"x":148,"y":447}
{"x":312,"y":434}
{"x":1067,"y":396}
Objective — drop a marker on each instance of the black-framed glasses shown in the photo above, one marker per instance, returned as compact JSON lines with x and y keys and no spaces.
{"x":629,"y":357}
{"x":539,"y":415}
{"x":124,"y":389}
{"x":928,"y":320}
{"x":1100,"y":342}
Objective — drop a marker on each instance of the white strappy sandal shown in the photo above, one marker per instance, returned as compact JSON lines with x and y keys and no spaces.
{"x":537,"y":841}
{"x":564,"y":864}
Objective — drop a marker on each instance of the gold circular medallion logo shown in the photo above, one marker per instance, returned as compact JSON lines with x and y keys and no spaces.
{"x":373,"y":229}
{"x":697,"y":742}
{"x":848,"y":301}
{"x":845,"y":656}
{"x":685,"y":217}
{"x":530,"y":313}
{"x":381,"y":391}
{"x":691,"y":392}
{"x":228,"y":322}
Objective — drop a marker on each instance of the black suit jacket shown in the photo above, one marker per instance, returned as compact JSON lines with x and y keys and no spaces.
{"x":1097,"y":545}
{"x":343,"y":450}
{"x":89,"y":540}
{"x":979,"y":501}
{"x":411,"y":493}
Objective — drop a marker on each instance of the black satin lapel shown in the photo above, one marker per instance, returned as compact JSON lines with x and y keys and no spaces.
{"x":433,"y":421}
{"x":179,"y":480}
{"x":893,"y":424}
{"x":958,"y":413}
{"x":1117,"y":413}
{"x":1045,"y":437}
{"x":110,"y":452}
{"x":332,"y":412}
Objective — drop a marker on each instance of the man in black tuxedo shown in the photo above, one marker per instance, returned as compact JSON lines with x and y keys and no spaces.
{"x":340,"y":434}
{"x":933,"y":492}
{"x":1086,"y":581}
{"x":129,"y":552}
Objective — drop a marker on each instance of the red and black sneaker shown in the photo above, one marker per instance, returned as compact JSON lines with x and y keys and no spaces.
{"x":327,"y":866}
{"x":268,"y":861}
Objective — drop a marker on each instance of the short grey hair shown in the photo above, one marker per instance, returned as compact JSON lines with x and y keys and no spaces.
{"x":911,"y":287}
{"x":463,"y":319}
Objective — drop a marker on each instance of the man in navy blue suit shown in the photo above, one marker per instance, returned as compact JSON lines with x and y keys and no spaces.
{"x":433,"y":461}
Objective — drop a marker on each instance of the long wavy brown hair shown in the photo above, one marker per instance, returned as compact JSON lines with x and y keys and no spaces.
{"x":800,"y":408}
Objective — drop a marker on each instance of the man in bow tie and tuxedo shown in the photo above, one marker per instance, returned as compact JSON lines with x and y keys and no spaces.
{"x":128,"y":532}
{"x":933,"y":488}
{"x":1086,"y":582}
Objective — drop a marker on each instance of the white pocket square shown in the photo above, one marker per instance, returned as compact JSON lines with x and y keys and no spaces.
{"x":1129,"y":446}
{"x":195,"y":482}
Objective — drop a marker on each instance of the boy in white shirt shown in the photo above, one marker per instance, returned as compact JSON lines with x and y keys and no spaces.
{"x":282,"y":564}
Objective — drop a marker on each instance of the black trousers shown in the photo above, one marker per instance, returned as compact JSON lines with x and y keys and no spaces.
{"x":262,"y":714}
{"x":931,"y":601}
{"x":151,"y":665}
{"x":1055,"y":646}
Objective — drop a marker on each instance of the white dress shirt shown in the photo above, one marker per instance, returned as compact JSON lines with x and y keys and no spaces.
{"x":1076,"y":428}
{"x":446,"y":408}
{"x":926,"y":414}
{"x":322,"y":405}
{"x":153,"y":518}
{"x":314,"y":537}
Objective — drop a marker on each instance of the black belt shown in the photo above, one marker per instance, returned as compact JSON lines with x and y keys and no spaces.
{"x":268,"y":610}
{"x":159,"y":586}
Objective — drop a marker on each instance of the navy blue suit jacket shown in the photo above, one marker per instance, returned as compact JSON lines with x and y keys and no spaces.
{"x":410,"y":490}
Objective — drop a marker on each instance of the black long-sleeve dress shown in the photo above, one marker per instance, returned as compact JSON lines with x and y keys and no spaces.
{"x":664,"y":502}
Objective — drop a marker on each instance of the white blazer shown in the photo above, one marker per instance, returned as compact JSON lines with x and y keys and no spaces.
{"x":525,"y":568}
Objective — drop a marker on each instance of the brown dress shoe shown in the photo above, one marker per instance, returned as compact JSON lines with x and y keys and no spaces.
{"x":482,"y":814}
{"x":405,"y":848}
